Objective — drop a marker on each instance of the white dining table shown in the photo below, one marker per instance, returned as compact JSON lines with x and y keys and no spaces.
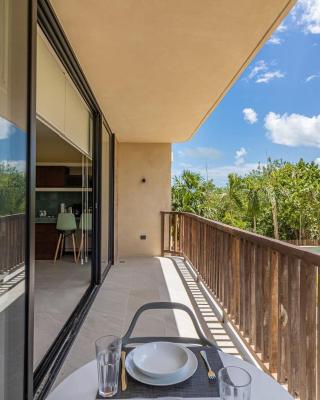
{"x":82,"y":384}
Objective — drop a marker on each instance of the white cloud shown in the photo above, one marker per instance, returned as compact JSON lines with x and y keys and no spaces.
{"x":312,"y":77}
{"x":240,"y":156}
{"x":269,"y":76}
{"x":263,"y":72}
{"x":220,"y":174}
{"x":308,"y":15}
{"x":200,"y":152}
{"x":282,"y":27}
{"x":250,"y":115}
{"x":293,"y":130}
{"x":275,"y":40}
{"x":259,"y":67}
{"x":20,"y":165}
{"x":5,"y":128}
{"x":317,"y":161}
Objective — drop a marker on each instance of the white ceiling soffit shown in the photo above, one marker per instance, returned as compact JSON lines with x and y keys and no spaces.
{"x":159,"y":67}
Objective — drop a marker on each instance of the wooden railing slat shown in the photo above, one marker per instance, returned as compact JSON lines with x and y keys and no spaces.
{"x":284,"y":337}
{"x":294,"y":321}
{"x":253,"y":296}
{"x":274,"y":312}
{"x":265,"y":305}
{"x":259,"y":299}
{"x":247,"y":290}
{"x":237,"y":280}
{"x":242,"y":285}
{"x":12,"y":239}
{"x":308,"y":347}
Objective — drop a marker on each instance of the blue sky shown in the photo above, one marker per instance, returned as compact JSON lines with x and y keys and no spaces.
{"x":273,"y":110}
{"x":12,"y":145}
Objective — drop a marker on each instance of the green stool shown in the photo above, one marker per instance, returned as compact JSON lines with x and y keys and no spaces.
{"x":85,"y":225}
{"x":66,"y":225}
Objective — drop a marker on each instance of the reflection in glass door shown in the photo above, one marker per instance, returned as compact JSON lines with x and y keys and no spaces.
{"x":85,"y":224}
{"x":13,"y":149}
{"x":63,"y":203}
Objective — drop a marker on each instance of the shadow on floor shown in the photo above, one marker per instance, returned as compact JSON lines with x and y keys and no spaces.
{"x":128,"y":286}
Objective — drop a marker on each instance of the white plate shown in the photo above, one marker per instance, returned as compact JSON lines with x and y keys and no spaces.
{"x":160,"y":359}
{"x":189,"y":369}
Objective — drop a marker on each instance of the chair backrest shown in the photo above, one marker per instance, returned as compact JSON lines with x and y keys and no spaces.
{"x":66,"y":222}
{"x":163,"y":305}
{"x":86,"y":222}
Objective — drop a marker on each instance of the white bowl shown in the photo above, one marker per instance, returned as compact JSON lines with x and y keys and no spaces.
{"x":160,"y":359}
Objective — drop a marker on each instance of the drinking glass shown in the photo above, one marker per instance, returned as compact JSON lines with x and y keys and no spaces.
{"x":234,"y":384}
{"x":108,"y":352}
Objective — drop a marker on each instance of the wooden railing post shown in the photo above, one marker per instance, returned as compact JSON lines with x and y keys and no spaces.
{"x":162,"y":233}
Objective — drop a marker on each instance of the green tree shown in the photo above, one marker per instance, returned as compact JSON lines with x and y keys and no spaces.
{"x":12,"y":190}
{"x":281,"y":199}
{"x":192,"y":193}
{"x":253,"y":201}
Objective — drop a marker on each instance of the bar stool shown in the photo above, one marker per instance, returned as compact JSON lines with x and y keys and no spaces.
{"x":85,"y":225}
{"x":66,"y":225}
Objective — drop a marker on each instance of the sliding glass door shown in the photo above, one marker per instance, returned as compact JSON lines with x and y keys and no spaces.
{"x":64,"y":256}
{"x":75,"y":196}
{"x":13,"y":188}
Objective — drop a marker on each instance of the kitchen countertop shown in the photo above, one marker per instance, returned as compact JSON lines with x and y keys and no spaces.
{"x":46,"y":220}
{"x":49,"y":220}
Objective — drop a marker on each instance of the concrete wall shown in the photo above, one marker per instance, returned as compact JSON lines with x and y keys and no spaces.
{"x":139,"y":204}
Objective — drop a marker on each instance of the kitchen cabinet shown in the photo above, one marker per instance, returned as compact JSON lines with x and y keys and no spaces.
{"x":46,"y":239}
{"x":59,"y":103}
{"x":51,"y":177}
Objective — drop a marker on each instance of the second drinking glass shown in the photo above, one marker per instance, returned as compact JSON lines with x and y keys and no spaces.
{"x":234,"y":384}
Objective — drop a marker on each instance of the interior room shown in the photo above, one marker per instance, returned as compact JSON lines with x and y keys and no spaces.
{"x":63,"y":199}
{"x":63,"y":228}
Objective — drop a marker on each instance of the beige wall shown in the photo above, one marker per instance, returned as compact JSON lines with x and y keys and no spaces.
{"x":139,"y":204}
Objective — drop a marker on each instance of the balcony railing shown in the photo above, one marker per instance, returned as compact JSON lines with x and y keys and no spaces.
{"x":268,"y":289}
{"x":12,"y":243}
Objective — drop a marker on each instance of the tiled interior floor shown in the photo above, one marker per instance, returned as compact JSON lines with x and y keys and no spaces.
{"x":58,"y":289}
{"x":128,"y":286}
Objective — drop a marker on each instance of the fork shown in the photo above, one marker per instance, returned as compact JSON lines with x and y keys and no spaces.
{"x":211,"y":374}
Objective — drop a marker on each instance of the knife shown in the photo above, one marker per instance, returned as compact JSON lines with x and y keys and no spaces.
{"x":123,"y":371}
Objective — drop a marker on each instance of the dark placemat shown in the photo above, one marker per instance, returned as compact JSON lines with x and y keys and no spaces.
{"x":196,"y":386}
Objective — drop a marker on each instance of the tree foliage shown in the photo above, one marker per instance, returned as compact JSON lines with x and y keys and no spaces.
{"x":280,"y":199}
{"x":12,"y":190}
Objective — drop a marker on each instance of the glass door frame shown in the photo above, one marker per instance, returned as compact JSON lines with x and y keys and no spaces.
{"x":40,"y":382}
{"x":30,"y":200}
{"x":111,"y":198}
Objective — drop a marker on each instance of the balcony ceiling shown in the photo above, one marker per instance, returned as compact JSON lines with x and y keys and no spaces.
{"x":159,"y":67}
